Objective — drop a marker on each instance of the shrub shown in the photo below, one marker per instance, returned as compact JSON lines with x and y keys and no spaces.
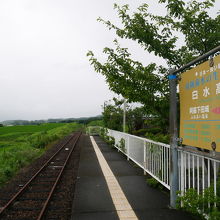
{"x":155,"y":184}
{"x":201,"y":205}
{"x":108,"y":139}
{"x":42,"y":139}
{"x":158,"y":137}
{"x":103,"y":133}
{"x":140,"y":132}
{"x":111,"y":141}
{"x":121,"y":145}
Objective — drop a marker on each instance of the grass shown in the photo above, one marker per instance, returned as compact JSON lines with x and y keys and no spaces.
{"x":11,"y":136}
{"x":20,"y":145}
{"x":29,"y":128}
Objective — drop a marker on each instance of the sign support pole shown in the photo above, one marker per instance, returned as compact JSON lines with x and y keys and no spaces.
{"x":174,"y":180}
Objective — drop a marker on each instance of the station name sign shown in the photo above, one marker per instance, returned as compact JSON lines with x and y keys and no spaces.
{"x":200,"y":105}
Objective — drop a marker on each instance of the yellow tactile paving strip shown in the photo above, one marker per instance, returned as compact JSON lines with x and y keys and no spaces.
{"x":122,"y":206}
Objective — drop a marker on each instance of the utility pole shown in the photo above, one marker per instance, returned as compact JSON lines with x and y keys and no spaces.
{"x":174,"y":180}
{"x":124,"y":116}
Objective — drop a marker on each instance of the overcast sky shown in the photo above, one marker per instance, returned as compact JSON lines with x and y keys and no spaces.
{"x":44,"y":71}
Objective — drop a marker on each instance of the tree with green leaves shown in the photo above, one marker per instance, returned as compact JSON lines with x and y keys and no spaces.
{"x":135,"y":119}
{"x":113,"y":116}
{"x":159,"y":35}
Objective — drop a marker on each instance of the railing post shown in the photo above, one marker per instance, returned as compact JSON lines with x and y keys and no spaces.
{"x":128,"y":147}
{"x":182,"y":174}
{"x":173,"y":140}
{"x":145,"y":159}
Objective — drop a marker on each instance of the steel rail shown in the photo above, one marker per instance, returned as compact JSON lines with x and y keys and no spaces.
{"x":57,"y":180}
{"x":33,"y":177}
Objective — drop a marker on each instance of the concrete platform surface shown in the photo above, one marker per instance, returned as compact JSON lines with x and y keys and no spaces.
{"x":93,"y":201}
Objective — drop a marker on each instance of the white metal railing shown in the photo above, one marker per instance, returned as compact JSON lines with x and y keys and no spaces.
{"x":196,"y":171}
{"x":153,"y":157}
{"x":93,"y":130}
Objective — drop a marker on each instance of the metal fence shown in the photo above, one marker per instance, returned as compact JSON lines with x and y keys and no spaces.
{"x":153,"y":157}
{"x":196,"y":170}
{"x":93,"y":130}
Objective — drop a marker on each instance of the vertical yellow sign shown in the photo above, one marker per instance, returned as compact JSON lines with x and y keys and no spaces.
{"x":200,"y":106}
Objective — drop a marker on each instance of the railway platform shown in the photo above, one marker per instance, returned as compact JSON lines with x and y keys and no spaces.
{"x":109,"y":187}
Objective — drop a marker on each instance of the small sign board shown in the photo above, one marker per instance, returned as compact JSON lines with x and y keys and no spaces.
{"x":200,"y":105}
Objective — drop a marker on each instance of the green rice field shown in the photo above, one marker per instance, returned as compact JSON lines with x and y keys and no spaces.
{"x":29,"y":128}
{"x":20,"y":145}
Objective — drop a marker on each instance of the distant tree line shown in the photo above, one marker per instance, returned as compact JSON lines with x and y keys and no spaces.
{"x":82,"y":120}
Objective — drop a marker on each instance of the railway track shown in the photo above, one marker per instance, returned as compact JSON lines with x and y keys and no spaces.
{"x":34,"y":197}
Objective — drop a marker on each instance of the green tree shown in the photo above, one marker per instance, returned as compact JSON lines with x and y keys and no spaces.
{"x":158,"y":35}
{"x":135,"y":119}
{"x":113,"y":115}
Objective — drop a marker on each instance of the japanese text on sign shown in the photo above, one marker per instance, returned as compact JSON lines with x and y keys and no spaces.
{"x":200,"y":105}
